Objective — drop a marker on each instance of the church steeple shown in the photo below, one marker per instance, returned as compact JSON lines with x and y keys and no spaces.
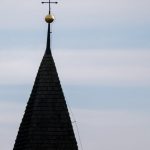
{"x":46,"y":124}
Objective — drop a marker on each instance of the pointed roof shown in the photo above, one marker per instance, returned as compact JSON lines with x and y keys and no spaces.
{"x":46,"y":124}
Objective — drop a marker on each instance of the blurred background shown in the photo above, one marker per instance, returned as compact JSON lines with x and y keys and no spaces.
{"x":102,"y":53}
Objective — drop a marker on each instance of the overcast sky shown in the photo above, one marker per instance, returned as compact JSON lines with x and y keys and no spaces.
{"x":102,"y":53}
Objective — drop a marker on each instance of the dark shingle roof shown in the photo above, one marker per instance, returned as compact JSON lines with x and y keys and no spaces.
{"x":46,"y":124}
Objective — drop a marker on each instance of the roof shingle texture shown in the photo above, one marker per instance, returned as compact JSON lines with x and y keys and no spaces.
{"x":46,"y":124}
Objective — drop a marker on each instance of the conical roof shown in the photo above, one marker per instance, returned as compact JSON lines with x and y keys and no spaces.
{"x":46,"y":124}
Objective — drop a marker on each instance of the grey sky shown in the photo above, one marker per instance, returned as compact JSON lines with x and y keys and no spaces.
{"x":102,"y":53}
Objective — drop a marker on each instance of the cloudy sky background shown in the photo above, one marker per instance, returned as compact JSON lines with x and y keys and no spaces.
{"x":102,"y":53}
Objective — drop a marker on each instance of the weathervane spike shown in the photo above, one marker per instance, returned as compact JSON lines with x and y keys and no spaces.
{"x":49,"y":19}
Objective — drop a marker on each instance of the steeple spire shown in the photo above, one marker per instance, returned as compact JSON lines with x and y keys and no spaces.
{"x":46,"y":124}
{"x":49,"y":19}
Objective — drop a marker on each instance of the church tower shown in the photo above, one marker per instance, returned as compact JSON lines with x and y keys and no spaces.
{"x":46,"y":124}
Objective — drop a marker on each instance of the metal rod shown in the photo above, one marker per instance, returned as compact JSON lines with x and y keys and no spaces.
{"x":49,"y":7}
{"x":50,"y":2}
{"x":49,"y":26}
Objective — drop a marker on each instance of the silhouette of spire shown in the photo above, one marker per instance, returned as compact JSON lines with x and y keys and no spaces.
{"x":46,"y":124}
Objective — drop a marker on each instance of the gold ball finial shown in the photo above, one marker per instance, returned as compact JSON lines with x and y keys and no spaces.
{"x":49,"y":18}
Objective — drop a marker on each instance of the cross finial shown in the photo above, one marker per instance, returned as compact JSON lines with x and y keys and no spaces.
{"x":49,"y":19}
{"x":49,"y":4}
